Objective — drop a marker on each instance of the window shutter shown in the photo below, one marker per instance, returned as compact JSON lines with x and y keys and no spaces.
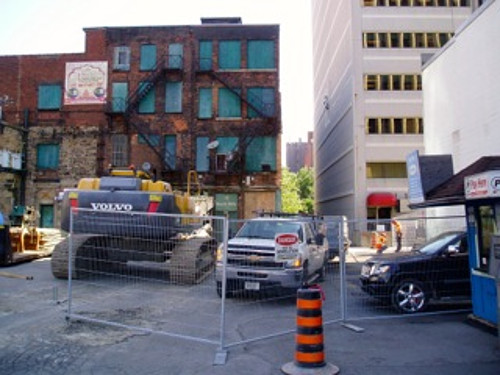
{"x":205,"y":103}
{"x":202,"y":154}
{"x":173,"y":97}
{"x":47,"y":156}
{"x":147,"y":104}
{"x":120,"y":94}
{"x":170,"y":150}
{"x":261,"y":54}
{"x":175,"y":56}
{"x":206,"y":55}
{"x":229,"y":103}
{"x":261,"y":151}
{"x":49,"y":97}
{"x":261,"y":98}
{"x":148,"y":57}
{"x":230,"y":54}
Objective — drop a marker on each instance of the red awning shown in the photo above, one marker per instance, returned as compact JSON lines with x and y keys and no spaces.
{"x":381,"y":200}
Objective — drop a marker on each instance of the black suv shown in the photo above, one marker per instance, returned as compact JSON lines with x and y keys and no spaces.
{"x":408,"y":280}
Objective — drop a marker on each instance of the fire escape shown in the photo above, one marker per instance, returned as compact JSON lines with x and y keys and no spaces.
{"x":130,"y":108}
{"x":265,"y":111}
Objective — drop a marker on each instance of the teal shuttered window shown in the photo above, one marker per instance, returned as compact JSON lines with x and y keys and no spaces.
{"x":173,"y":97}
{"x":262,"y":99}
{"x":148,"y":57}
{"x":261,"y":155}
{"x":147,"y":104}
{"x":49,"y":97}
{"x":120,"y":94}
{"x":205,"y":55}
{"x":170,"y":151}
{"x":229,"y":54}
{"x":202,"y":154}
{"x":175,"y":56}
{"x":261,"y":54}
{"x":229,"y":103}
{"x":47,"y":156}
{"x":205,"y":103}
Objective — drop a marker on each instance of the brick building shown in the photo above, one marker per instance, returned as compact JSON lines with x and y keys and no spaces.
{"x":180,"y":98}
{"x":300,"y":154}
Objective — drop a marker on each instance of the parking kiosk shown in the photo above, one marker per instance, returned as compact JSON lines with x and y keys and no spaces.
{"x":482,"y":202}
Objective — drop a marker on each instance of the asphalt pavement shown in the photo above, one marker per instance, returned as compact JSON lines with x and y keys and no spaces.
{"x":35,"y":338}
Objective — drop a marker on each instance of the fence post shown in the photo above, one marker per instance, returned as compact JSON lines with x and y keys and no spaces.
{"x":221,"y":354}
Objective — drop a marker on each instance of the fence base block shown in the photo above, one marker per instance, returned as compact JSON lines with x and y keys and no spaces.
{"x":291,"y":368}
{"x":220,"y":357}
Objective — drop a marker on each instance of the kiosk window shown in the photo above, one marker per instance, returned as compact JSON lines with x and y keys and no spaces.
{"x":487,"y":227}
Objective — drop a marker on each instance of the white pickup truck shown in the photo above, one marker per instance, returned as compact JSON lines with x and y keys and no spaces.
{"x":272,"y":253}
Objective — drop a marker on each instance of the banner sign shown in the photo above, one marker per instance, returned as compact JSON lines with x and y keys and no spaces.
{"x":86,"y":82}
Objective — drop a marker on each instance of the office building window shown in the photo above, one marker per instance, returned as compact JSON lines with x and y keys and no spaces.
{"x":393,"y":82}
{"x":261,"y":102}
{"x":119,"y":96}
{"x":147,"y":103}
{"x":405,"y":40}
{"x":205,"y":103}
{"x":175,"y":56}
{"x":394,"y":125}
{"x":170,"y":151}
{"x":385,"y":170}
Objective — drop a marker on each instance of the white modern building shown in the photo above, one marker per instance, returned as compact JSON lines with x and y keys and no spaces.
{"x":367,"y":63}
{"x":461,"y":92}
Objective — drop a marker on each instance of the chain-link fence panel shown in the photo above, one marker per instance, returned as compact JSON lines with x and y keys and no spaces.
{"x":150,"y":272}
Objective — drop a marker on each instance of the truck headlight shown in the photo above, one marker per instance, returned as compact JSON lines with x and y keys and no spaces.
{"x":294,"y":263}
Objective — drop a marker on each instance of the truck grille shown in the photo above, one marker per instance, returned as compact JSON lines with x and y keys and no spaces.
{"x":253,"y":257}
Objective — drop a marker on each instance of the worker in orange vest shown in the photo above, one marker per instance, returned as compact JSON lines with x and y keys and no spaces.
{"x":399,"y":233}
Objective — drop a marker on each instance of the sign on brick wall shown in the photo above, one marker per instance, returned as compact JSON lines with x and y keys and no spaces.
{"x":86,"y":82}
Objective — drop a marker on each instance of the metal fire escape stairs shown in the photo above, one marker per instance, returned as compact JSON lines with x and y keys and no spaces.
{"x":249,"y":133}
{"x":134,"y":100}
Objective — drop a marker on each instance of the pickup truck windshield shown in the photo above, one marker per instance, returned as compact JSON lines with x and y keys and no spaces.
{"x":269,"y":229}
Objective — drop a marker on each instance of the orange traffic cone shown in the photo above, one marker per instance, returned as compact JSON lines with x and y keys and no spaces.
{"x":309,"y":349}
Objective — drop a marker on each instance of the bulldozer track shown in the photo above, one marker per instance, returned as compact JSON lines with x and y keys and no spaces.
{"x":60,"y":255}
{"x":192,"y":260}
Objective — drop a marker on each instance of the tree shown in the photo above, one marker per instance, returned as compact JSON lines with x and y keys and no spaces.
{"x":297,"y":191}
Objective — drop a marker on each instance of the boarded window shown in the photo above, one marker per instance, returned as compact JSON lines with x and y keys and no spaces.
{"x":173,"y":97}
{"x":261,"y":101}
{"x":49,"y":97}
{"x":121,"y":58}
{"x":261,"y":54}
{"x":229,"y":103}
{"x":261,"y":155}
{"x":205,"y":103}
{"x":147,"y":103}
{"x":202,"y":154}
{"x":47,"y":156}
{"x":205,"y":55}
{"x":148,"y":57}
{"x":229,"y":54}
{"x":120,"y":94}
{"x":170,"y":151}
{"x":175,"y":56}
{"x":119,"y":144}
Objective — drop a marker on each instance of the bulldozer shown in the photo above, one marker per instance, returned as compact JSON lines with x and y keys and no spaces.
{"x":128,"y":220}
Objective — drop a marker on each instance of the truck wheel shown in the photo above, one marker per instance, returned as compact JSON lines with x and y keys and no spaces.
{"x":409,"y":297}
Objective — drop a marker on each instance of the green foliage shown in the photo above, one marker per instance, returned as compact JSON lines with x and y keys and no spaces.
{"x":297,"y":191}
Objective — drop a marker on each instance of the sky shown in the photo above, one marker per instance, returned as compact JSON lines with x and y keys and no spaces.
{"x":56,"y":26}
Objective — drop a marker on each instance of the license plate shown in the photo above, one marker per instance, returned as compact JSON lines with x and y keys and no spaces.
{"x":252,"y":285}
